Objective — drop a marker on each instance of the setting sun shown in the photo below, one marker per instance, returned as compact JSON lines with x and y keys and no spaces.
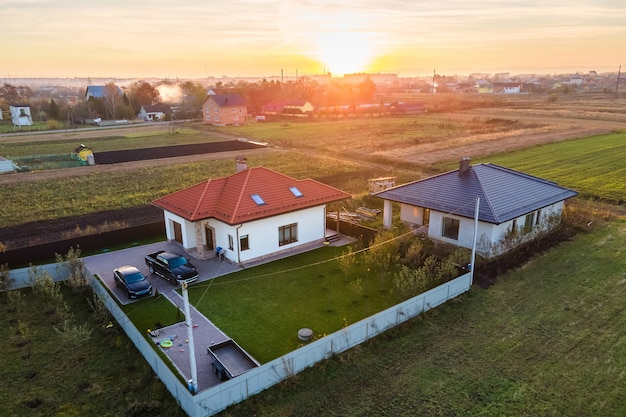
{"x":343,"y":40}
{"x":344,"y":52}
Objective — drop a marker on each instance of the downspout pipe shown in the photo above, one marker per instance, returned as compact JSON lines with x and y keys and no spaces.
{"x":238,"y":245}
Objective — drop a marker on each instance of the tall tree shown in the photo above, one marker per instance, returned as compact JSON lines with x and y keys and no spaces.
{"x":142,"y":93}
{"x":9,"y":93}
{"x":54,"y":110}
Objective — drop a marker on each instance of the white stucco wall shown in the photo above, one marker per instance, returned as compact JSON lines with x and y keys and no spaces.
{"x":488,"y":232}
{"x":187,"y":229}
{"x":412,"y":214}
{"x":262,"y":234}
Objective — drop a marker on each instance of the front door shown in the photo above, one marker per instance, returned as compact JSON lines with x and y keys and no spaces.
{"x":178,"y":232}
{"x":208,"y":236}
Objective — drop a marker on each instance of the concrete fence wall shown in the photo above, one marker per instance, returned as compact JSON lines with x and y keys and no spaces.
{"x":22,"y":277}
{"x":218,"y":398}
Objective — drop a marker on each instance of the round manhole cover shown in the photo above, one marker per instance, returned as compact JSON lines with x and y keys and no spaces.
{"x":305,"y":334}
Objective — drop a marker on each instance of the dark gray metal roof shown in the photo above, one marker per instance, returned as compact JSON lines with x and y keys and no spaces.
{"x":504,"y":193}
{"x":227,"y":100}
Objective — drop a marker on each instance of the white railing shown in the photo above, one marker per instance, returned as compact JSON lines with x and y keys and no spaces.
{"x":218,"y":398}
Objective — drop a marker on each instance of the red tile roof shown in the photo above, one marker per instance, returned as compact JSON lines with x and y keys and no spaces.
{"x":229,"y":198}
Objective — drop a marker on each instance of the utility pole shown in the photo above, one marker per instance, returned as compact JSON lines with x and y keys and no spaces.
{"x":617,"y":82}
{"x":433,"y":90}
{"x":192,"y":352}
{"x":473,"y":260}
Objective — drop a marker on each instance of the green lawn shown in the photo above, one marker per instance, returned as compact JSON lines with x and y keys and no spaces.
{"x":546,"y":340}
{"x":263,"y":307}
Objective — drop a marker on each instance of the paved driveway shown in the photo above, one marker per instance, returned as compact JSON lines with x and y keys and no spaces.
{"x":103,"y":264}
{"x":204,"y":331}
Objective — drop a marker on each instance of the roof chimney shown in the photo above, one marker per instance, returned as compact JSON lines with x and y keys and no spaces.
{"x":464,"y":165}
{"x":241,"y":162}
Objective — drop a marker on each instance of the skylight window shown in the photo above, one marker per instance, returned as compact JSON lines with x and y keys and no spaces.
{"x":295,"y":191}
{"x":257,"y":199}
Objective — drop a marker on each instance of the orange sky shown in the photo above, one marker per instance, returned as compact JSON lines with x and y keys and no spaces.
{"x":68,"y":38}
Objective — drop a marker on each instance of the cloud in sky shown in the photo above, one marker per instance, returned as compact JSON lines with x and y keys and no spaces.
{"x":259,"y":37}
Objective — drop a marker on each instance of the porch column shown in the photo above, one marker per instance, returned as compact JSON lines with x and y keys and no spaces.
{"x":199,"y":245}
{"x":387,"y":214}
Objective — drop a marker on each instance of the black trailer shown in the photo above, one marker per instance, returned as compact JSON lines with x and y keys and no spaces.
{"x":229,"y":359}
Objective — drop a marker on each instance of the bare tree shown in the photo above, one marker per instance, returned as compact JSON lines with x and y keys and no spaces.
{"x":112,"y":98}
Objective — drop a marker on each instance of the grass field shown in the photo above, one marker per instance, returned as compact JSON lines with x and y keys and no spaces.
{"x":546,"y":340}
{"x":119,"y":139}
{"x":593,"y":166}
{"x":45,"y":375}
{"x":42,"y":200}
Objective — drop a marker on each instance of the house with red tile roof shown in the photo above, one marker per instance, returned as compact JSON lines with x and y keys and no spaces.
{"x":252,"y":214}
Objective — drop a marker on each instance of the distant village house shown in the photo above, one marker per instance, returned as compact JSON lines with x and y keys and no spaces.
{"x":224,"y":110}
{"x":20,"y":115}
{"x":154,"y":113}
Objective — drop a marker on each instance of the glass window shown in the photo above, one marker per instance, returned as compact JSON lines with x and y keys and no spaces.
{"x":450,"y":228}
{"x":230,"y":242}
{"x":295,"y":191}
{"x":528,"y":223}
{"x":257,"y":199}
{"x":538,"y":217}
{"x":244,"y":243}
{"x":426,"y":221}
{"x":287,"y":234}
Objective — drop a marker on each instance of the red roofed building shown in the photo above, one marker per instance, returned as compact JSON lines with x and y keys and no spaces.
{"x":293,"y":107}
{"x":249,"y":215}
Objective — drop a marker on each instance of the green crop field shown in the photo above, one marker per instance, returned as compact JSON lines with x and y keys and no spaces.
{"x":593,"y":166}
{"x":50,"y":199}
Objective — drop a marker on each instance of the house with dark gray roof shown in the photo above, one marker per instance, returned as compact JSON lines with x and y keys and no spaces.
{"x":224,"y":110}
{"x":154,"y":113}
{"x":443,"y":207}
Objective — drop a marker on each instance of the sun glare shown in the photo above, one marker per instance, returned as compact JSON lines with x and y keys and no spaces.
{"x":342,"y":39}
{"x":344,"y":52}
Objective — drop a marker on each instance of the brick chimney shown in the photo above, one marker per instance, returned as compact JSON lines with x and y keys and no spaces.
{"x":241,"y":162}
{"x":464,"y":165}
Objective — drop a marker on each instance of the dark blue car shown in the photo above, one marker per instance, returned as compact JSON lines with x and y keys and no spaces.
{"x":132,"y":281}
